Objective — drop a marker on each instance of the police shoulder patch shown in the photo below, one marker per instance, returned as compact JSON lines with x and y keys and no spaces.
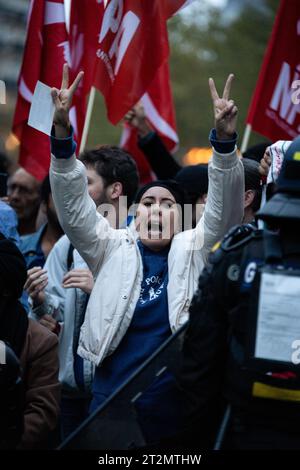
{"x":238,"y":236}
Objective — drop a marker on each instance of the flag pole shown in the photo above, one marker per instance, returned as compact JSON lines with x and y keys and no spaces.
{"x":87,"y":120}
{"x":246,"y":138}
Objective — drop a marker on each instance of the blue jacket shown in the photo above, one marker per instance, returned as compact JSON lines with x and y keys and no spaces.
{"x":31,"y":248}
{"x":9,"y":223}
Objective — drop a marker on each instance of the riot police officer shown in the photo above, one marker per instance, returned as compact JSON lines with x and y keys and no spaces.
{"x":241,"y":349}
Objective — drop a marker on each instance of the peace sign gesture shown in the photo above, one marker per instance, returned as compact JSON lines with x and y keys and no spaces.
{"x":62,"y":98}
{"x":225,"y":111}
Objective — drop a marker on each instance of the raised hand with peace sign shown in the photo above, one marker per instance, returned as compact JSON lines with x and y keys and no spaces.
{"x":62,"y":100}
{"x":225,"y":111}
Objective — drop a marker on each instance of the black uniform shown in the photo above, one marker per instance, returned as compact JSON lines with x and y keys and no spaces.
{"x":244,"y":324}
{"x":218,"y":366}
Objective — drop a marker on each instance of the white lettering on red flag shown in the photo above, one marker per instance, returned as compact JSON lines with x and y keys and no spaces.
{"x":133,"y":44}
{"x":85,"y":24}
{"x":43,"y":59}
{"x":274,"y":111}
{"x":158,"y":103}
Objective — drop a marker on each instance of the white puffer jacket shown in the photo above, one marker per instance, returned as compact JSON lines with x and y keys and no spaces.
{"x":114,"y":258}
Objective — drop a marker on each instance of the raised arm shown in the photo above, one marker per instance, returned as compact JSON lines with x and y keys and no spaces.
{"x":225,"y":200}
{"x":87,"y":230}
{"x":160,"y":159}
{"x":225,"y":110}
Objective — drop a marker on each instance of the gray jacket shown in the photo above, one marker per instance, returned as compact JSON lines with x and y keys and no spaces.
{"x":67,"y":306}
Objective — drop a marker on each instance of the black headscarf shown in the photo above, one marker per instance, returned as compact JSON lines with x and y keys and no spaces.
{"x":175,"y":189}
{"x":13,"y":318}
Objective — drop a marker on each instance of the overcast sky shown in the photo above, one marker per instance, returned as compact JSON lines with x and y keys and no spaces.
{"x":217,"y":3}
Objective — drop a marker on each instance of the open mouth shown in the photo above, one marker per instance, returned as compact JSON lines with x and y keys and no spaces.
{"x":155,"y":226}
{"x":155,"y":229}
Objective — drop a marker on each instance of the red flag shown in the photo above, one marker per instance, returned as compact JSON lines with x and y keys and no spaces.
{"x":159,"y":110}
{"x":129,"y":143}
{"x":125,"y":68}
{"x":158,"y":105}
{"x":275,"y":108}
{"x":46,"y":50}
{"x":133,"y":44}
{"x":85,"y":24}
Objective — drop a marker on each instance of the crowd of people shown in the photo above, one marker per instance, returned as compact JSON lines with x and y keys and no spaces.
{"x":98,"y":271}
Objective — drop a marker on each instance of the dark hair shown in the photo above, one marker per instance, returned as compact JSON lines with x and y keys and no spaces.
{"x":256,"y":152}
{"x":114,"y":164}
{"x":171,"y":185}
{"x":194,"y":179}
{"x":253,"y":181}
{"x":45,"y":190}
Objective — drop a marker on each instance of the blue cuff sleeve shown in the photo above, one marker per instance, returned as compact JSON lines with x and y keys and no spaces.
{"x":222,"y":146}
{"x":63,"y":148}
